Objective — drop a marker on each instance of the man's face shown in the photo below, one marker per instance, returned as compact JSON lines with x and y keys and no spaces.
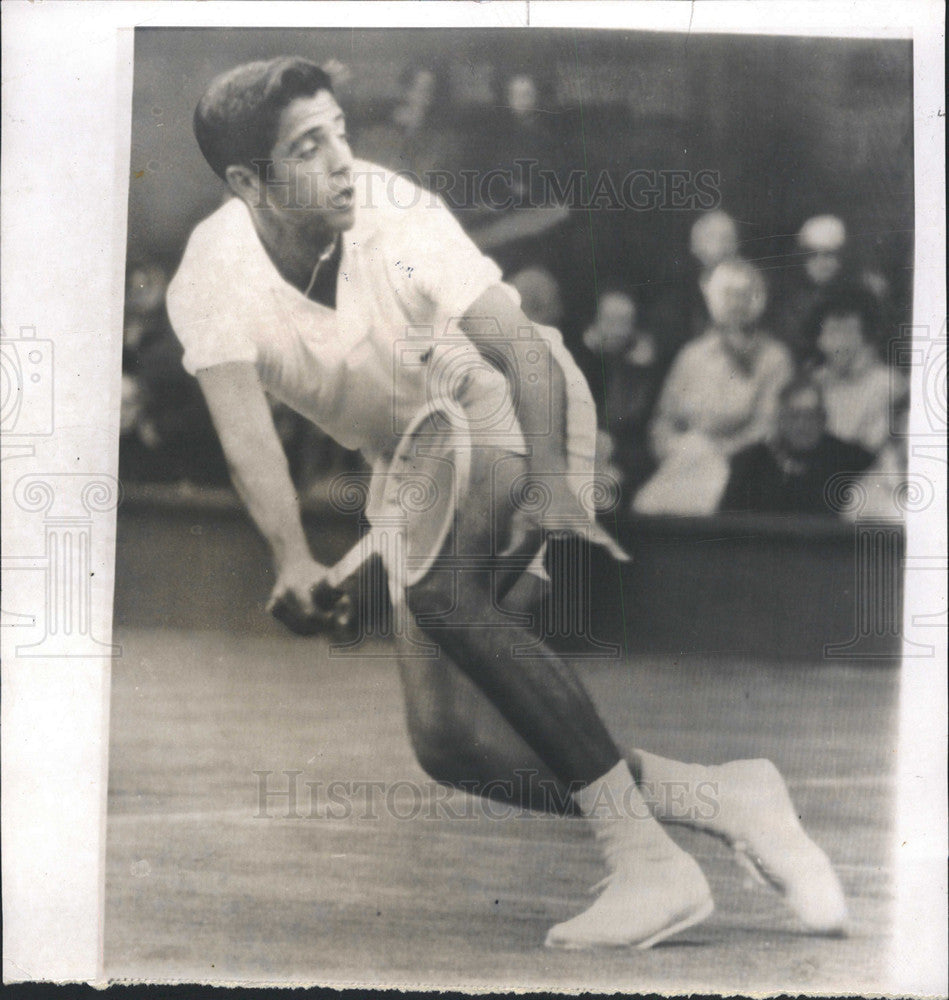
{"x":841,"y":342}
{"x":713,"y":240}
{"x":801,"y":421}
{"x":421,"y":91}
{"x":731,"y":297}
{"x":521,"y":95}
{"x":310,"y":181}
{"x":615,"y":323}
{"x":822,"y":266}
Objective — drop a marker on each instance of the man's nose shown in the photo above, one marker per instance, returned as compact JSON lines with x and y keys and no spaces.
{"x":341,"y":159}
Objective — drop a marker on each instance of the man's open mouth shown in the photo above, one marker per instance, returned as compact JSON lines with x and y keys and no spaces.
{"x":344,"y":199}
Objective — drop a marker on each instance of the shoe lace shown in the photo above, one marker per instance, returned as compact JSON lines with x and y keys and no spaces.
{"x":756,"y":867}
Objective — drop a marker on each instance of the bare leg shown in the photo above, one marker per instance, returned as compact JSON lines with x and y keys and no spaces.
{"x":461,"y":739}
{"x":539,"y":695}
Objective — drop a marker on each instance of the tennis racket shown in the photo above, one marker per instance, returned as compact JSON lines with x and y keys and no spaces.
{"x":412,"y":505}
{"x":411,"y":510}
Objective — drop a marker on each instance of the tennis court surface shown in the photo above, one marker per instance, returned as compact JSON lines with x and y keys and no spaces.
{"x":400,"y":884}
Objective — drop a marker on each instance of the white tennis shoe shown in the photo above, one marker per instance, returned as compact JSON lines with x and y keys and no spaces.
{"x":757,"y":819}
{"x":646,"y":900}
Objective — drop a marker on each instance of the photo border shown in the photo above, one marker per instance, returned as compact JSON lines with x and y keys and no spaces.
{"x":65,"y":183}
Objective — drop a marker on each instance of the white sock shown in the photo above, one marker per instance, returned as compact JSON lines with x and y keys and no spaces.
{"x":678,"y":792}
{"x":622,"y":822}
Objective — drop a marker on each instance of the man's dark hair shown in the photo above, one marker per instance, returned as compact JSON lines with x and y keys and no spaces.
{"x":236,"y":120}
{"x":849,"y":300}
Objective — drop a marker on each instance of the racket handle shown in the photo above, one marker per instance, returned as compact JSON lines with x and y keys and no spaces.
{"x":343,"y":569}
{"x":333,"y":595}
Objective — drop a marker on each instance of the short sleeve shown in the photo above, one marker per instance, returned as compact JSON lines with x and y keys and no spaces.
{"x":207,"y":311}
{"x":446,"y":265}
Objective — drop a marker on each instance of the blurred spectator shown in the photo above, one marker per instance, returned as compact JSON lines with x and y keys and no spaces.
{"x":146,"y":321}
{"x":826,"y":266}
{"x":822,"y":239}
{"x":622,"y":367}
{"x":880,"y":493}
{"x":820,"y":243}
{"x":517,"y":206}
{"x":540,"y":296}
{"x":789,"y":474}
{"x":167,"y":433}
{"x":824,"y":270}
{"x":681,"y":312}
{"x":523,"y":131}
{"x":416,"y":136}
{"x":339,"y":72}
{"x":714,"y":238}
{"x":720,"y":397}
{"x":862,"y":393}
{"x":140,"y":457}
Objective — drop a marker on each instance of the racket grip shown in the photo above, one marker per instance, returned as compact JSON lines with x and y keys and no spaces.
{"x":325,"y":595}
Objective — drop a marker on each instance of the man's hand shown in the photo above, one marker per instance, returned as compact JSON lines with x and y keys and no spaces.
{"x":548,"y":507}
{"x":547,"y":504}
{"x":304,"y":601}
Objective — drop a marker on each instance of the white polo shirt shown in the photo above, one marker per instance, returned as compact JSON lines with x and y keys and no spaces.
{"x":359,"y":372}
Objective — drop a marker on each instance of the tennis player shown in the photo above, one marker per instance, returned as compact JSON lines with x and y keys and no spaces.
{"x":353,"y":296}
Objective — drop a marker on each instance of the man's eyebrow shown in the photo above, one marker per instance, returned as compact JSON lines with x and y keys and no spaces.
{"x":316,"y":131}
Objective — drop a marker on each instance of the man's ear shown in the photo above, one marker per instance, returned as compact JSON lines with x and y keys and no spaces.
{"x":245,"y":183}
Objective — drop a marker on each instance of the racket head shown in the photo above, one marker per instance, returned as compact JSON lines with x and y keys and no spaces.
{"x":418,"y":495}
